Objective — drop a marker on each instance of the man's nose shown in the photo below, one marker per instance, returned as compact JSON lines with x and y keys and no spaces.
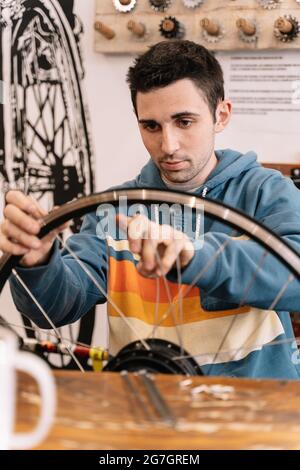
{"x":170,"y":143}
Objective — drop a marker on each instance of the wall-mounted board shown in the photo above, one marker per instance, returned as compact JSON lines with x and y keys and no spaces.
{"x":212,"y":23}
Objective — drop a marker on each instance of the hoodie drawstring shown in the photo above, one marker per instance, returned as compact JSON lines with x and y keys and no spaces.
{"x":204,"y":191}
{"x":198,"y":216}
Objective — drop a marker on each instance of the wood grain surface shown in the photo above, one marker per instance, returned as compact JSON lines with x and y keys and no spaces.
{"x":96,"y":411}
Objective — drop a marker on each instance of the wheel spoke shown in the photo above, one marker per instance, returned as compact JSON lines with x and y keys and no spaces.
{"x":195,"y":280}
{"x":46,"y":316}
{"x":49,"y":333}
{"x":180,"y":299}
{"x":232,"y":322}
{"x":102,"y":291}
{"x":171,"y":307}
{"x":275,"y":342}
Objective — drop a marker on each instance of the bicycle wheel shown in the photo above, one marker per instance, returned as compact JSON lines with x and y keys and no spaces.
{"x":243,"y":225}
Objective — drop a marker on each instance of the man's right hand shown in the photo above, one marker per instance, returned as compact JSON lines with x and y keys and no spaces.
{"x":20,"y":227}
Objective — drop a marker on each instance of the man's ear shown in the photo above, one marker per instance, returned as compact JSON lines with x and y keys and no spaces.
{"x":223,"y":115}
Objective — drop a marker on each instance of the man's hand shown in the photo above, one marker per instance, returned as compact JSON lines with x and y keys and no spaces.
{"x":20,"y":227}
{"x":158,"y":245}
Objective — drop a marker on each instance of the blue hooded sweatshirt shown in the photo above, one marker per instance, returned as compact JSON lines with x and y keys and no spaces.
{"x":225,"y":320}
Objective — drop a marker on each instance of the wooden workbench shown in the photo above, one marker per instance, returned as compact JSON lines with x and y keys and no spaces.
{"x":95,"y":411}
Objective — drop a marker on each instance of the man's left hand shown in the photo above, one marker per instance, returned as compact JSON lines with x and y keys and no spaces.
{"x":158,"y":245}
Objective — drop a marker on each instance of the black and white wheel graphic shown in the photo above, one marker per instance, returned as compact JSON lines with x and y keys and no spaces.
{"x":46,"y":148}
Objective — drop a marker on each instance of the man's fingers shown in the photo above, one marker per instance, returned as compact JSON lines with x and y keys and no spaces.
{"x":168,"y":259}
{"x":183,"y":249}
{"x":123,"y":221}
{"x":41,"y":256}
{"x":25,"y":203}
{"x":22,"y":220}
{"x":37,"y":210}
{"x":22,"y":223}
{"x":158,"y":245}
{"x":17,"y":235}
{"x":149,"y":255}
{"x":12,"y":248}
{"x":136,"y":228}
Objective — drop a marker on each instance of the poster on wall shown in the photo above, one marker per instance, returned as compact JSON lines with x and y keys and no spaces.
{"x":264,"y":87}
{"x":45,"y":142}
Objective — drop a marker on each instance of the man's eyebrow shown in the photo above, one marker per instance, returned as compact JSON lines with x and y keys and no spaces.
{"x":173,"y":116}
{"x":184,"y":113}
{"x":146,"y":121}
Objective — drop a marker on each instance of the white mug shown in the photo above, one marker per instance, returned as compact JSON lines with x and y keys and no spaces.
{"x":11,"y":360}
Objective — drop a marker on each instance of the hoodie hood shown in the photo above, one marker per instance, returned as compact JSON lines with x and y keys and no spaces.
{"x":230,"y":165}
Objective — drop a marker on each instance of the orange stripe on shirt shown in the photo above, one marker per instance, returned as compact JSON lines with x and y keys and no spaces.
{"x":136,"y":296}
{"x":133,"y":306}
{"x":124,"y":277}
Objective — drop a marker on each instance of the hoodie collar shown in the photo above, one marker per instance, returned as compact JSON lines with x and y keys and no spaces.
{"x":230,"y":164}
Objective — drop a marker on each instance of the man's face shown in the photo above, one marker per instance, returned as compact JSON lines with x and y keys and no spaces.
{"x":178,"y":130}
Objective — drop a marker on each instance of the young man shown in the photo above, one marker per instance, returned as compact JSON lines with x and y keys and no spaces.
{"x":178,"y":97}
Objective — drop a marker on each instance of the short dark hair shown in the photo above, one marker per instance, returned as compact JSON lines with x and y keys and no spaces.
{"x":169,"y":61}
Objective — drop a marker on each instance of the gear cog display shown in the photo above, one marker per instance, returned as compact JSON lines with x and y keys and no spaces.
{"x":160,"y":5}
{"x":269,"y":4}
{"x":124,"y":6}
{"x":248,"y":38}
{"x":291,"y":35}
{"x":171,"y":28}
{"x":212,"y":32}
{"x":192,"y":3}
